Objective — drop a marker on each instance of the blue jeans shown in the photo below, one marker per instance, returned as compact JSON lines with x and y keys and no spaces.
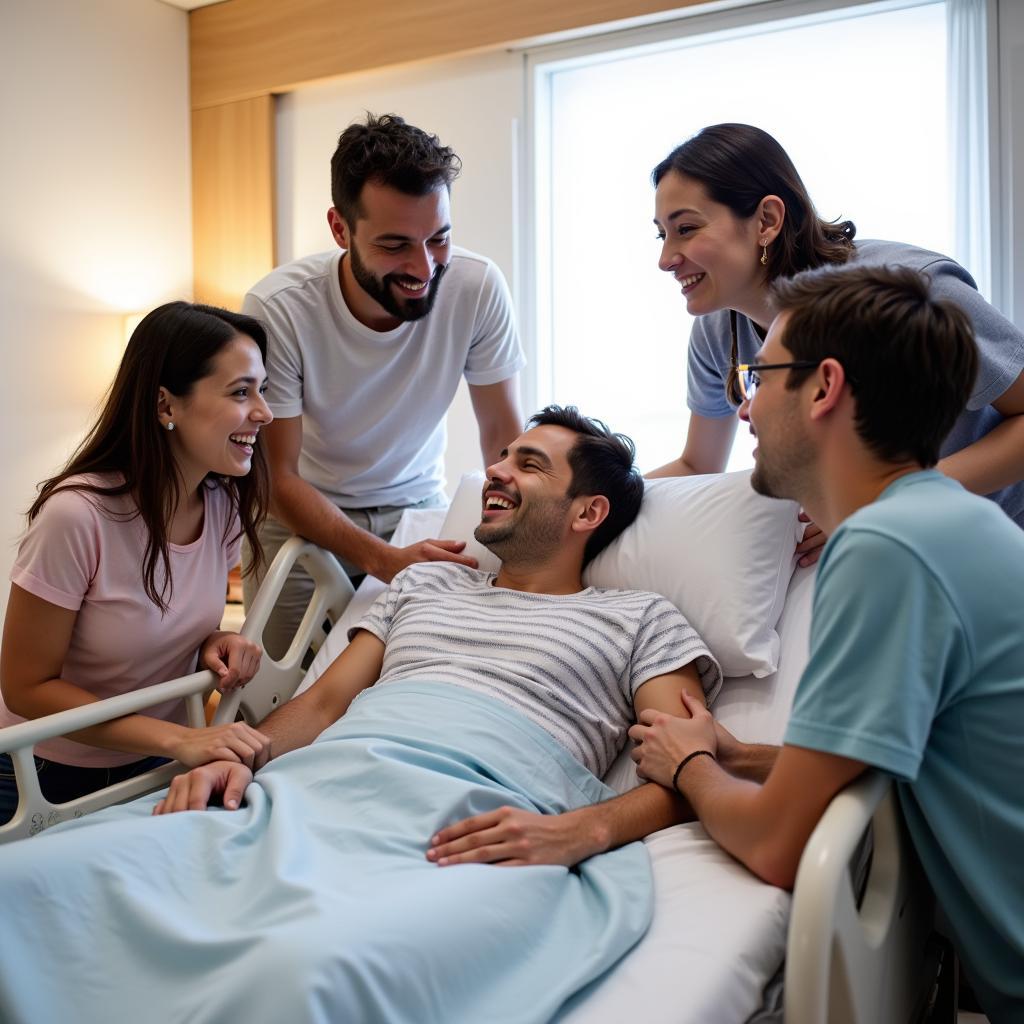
{"x":63,"y":782}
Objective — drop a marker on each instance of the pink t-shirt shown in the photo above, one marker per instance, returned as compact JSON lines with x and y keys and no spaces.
{"x":76,"y":556}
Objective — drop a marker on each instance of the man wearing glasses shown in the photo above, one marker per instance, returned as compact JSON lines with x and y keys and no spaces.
{"x":916,"y":663}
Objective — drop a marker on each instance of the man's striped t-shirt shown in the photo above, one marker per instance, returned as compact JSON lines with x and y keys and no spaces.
{"x":570,"y":663}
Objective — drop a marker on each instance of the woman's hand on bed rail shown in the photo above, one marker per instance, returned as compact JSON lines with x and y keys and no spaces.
{"x":194,"y":790}
{"x":231,"y":657}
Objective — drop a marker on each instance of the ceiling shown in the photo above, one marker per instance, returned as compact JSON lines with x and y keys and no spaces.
{"x":190,"y":5}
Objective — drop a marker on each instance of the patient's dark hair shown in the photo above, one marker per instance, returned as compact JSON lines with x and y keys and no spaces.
{"x":390,"y":152}
{"x":601,"y":463}
{"x":910,"y":357}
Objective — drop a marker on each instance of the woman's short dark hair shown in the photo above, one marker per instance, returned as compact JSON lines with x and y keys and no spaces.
{"x":739,"y":165}
{"x":910,"y":358}
{"x":387,"y":150}
{"x":601,"y":463}
{"x":173,"y":347}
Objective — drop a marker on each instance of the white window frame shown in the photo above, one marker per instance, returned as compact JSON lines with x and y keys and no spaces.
{"x":1005,"y":36}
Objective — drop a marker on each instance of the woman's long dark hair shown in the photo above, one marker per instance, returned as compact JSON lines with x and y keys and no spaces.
{"x":739,"y":165}
{"x":173,"y":347}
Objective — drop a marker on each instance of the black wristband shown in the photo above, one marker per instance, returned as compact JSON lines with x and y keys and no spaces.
{"x":682,"y":764}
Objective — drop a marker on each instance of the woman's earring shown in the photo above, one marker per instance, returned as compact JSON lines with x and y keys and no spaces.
{"x":764,"y":254}
{"x":169,"y":425}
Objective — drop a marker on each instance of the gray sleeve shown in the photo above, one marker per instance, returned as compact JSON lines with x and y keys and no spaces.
{"x":708,"y":366}
{"x":381,"y":613}
{"x":495,"y":353}
{"x":666,"y":642}
{"x":1000,"y":343}
{"x":284,"y":358}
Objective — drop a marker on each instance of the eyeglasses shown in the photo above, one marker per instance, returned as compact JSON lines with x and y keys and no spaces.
{"x":749,"y":374}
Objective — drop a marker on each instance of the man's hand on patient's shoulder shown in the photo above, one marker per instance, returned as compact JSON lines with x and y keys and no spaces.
{"x":512,"y":837}
{"x":394,"y":560}
{"x":194,"y":790}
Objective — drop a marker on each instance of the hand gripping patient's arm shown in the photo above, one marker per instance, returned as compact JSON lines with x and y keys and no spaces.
{"x":294,"y":724}
{"x":512,"y":837}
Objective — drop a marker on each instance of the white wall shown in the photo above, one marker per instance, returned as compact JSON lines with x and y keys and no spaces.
{"x":96,"y":222}
{"x":474,"y":104}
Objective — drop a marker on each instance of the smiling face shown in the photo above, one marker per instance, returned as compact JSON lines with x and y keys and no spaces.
{"x":398,"y":250}
{"x":218,"y":423}
{"x":526,"y":508}
{"x":712,"y":253}
{"x":784,"y":453}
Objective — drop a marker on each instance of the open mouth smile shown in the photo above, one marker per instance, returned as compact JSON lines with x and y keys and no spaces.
{"x":244,"y":441}
{"x":690,"y":281}
{"x":496,"y":503}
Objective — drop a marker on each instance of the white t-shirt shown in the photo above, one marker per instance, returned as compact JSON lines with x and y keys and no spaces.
{"x":373,"y":403}
{"x":571,"y":663}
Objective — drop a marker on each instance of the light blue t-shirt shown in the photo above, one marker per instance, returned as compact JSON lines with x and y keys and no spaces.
{"x":1000,"y":352}
{"x":917,"y":668}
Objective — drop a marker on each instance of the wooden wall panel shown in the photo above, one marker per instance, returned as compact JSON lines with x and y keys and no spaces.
{"x":243,"y":48}
{"x":232,"y":198}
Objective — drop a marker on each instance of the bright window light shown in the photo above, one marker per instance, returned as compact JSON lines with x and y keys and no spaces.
{"x":857,"y":99}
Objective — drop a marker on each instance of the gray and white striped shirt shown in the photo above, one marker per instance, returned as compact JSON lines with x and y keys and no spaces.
{"x":570,"y":663}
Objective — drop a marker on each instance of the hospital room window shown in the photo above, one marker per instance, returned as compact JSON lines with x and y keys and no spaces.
{"x":856,"y":95}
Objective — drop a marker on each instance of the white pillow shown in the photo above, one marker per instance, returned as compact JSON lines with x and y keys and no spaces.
{"x":721,"y":553}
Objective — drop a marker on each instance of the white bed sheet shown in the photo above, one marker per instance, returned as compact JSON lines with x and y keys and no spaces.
{"x":719,"y":934}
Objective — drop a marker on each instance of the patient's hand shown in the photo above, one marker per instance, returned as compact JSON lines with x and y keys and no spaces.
{"x":234,"y":659}
{"x":194,"y":790}
{"x":662,"y":740}
{"x":813,"y":541}
{"x":511,"y":837}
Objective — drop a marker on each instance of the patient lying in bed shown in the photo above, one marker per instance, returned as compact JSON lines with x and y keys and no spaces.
{"x":331,"y":894}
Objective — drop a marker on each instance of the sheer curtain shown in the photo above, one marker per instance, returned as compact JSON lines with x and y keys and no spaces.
{"x":967,"y":85}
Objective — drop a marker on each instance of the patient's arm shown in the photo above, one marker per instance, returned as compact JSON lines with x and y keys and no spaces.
{"x":764,"y":826}
{"x":511,"y":836}
{"x":295,"y":724}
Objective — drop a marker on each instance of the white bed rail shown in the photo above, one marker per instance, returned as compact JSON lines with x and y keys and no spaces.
{"x":275,"y":682}
{"x":866,"y":965}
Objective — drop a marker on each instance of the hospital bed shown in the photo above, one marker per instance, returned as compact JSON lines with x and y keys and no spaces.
{"x":847,"y":946}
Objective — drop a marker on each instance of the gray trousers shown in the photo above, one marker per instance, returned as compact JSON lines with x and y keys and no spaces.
{"x":379,"y":520}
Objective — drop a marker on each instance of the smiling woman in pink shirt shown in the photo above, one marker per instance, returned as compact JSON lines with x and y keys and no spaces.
{"x":120,"y":577}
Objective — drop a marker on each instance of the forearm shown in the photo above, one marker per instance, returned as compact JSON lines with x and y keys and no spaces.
{"x":131,"y":734}
{"x":752,"y":761}
{"x":626,"y":818}
{"x":994,"y":462}
{"x":677,"y":467}
{"x":731,"y":811}
{"x":296,"y":723}
{"x":304,"y":510}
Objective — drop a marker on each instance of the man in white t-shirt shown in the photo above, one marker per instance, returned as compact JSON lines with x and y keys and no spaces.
{"x":367,"y":345}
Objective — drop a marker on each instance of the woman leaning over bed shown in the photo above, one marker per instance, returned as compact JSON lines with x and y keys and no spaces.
{"x":733,"y":215}
{"x":120,"y":578}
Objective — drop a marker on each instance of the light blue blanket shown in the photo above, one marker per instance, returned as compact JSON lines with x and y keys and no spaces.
{"x":314,"y":902}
